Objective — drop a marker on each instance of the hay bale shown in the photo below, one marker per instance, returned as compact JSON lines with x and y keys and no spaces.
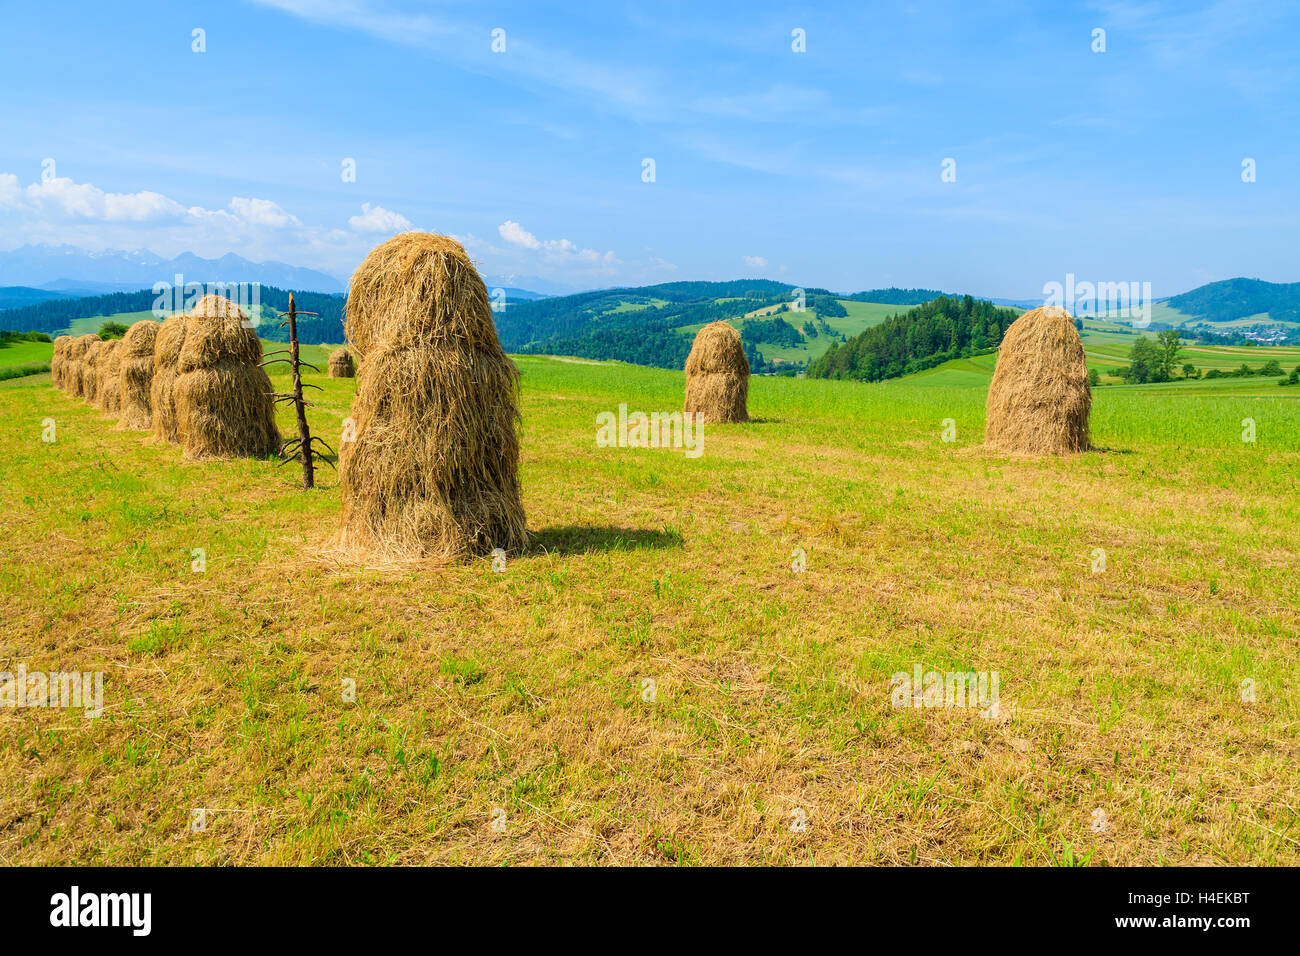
{"x":166,"y":354}
{"x":108,"y":393}
{"x":58,"y":360}
{"x":74,"y":362}
{"x":433,"y":470}
{"x":342,"y":364}
{"x":223,"y":398}
{"x":135,"y":376}
{"x":1039,"y":399}
{"x":90,"y":370}
{"x":717,"y":375}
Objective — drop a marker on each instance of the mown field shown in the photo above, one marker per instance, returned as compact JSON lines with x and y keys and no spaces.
{"x":507,"y":717}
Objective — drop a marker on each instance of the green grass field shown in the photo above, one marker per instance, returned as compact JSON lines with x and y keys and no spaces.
{"x":652,"y":682}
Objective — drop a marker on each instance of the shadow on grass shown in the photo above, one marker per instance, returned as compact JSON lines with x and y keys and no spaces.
{"x":585,"y":539}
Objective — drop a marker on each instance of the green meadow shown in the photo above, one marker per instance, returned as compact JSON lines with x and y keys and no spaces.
{"x":652,"y":681}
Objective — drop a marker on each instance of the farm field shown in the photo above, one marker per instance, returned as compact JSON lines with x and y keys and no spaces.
{"x":522,"y":697}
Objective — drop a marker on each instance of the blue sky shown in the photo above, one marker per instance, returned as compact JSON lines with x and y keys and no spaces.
{"x":819,"y":168}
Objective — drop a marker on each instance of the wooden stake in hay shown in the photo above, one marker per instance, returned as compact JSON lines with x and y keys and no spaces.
{"x":135,"y":377}
{"x":1039,"y":399}
{"x":90,"y":370}
{"x":431,"y":468}
{"x":222,"y":395}
{"x":74,"y":362}
{"x":108,"y":393}
{"x":717,"y":375}
{"x":58,"y":360}
{"x":166,"y":355}
{"x":342,"y":364}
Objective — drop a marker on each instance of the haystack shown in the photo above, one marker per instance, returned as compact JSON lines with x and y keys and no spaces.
{"x":74,"y":360}
{"x":1039,"y":399}
{"x":136,"y":375}
{"x":108,"y":393}
{"x":342,"y":364}
{"x":166,"y":353}
{"x":223,"y":398}
{"x":433,"y":470}
{"x":57,"y":360}
{"x":90,"y":370}
{"x":717,"y":375}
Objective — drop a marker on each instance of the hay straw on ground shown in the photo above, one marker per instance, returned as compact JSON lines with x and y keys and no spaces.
{"x":1039,"y":399}
{"x":224,"y":407}
{"x":717,"y":375}
{"x":432,"y":472}
{"x":90,"y":370}
{"x":74,"y":360}
{"x":58,"y":360}
{"x":136,"y":375}
{"x":166,"y":353}
{"x":342,"y":364}
{"x":108,"y":393}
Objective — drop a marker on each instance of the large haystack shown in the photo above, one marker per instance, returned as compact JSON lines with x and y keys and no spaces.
{"x":223,"y":398}
{"x":58,"y":360}
{"x":342,"y":364}
{"x":90,"y":370}
{"x":717,"y":375}
{"x":135,"y":377}
{"x":108,"y":393}
{"x":166,"y":354}
{"x":1039,"y":399}
{"x":433,"y":470}
{"x":74,"y":362}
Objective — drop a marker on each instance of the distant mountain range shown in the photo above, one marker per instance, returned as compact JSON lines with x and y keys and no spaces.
{"x":58,"y":268}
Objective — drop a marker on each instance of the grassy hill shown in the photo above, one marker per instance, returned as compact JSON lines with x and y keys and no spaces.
{"x":526,"y":693}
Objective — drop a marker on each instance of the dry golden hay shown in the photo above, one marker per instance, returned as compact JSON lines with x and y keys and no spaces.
{"x":90,"y":370}
{"x":57,"y":359}
{"x":1039,"y":399}
{"x":224,"y":407}
{"x":342,"y":364}
{"x":136,"y":375}
{"x":108,"y":393}
{"x":717,"y":375}
{"x":431,"y":470}
{"x":74,"y":362}
{"x":166,"y":353}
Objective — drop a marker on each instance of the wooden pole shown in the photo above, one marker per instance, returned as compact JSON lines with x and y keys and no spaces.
{"x":304,"y":436}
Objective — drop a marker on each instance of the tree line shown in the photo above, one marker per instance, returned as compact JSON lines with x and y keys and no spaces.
{"x":944,"y":328}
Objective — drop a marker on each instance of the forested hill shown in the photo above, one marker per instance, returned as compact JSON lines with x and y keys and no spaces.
{"x":647,"y":325}
{"x":945,"y":328}
{"x":893,"y":296}
{"x":525,"y":325}
{"x":1234,"y":299}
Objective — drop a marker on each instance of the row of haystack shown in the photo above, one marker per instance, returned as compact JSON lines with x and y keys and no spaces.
{"x":429,"y":468}
{"x":195,"y":380}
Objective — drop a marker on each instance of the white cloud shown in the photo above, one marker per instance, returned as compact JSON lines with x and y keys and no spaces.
{"x":10,"y":192}
{"x":558,"y":252}
{"x":379,"y":219}
{"x":517,"y":235}
{"x":756,"y":262}
{"x":262,"y":212}
{"x":61,"y":198}
{"x":664,"y":264}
